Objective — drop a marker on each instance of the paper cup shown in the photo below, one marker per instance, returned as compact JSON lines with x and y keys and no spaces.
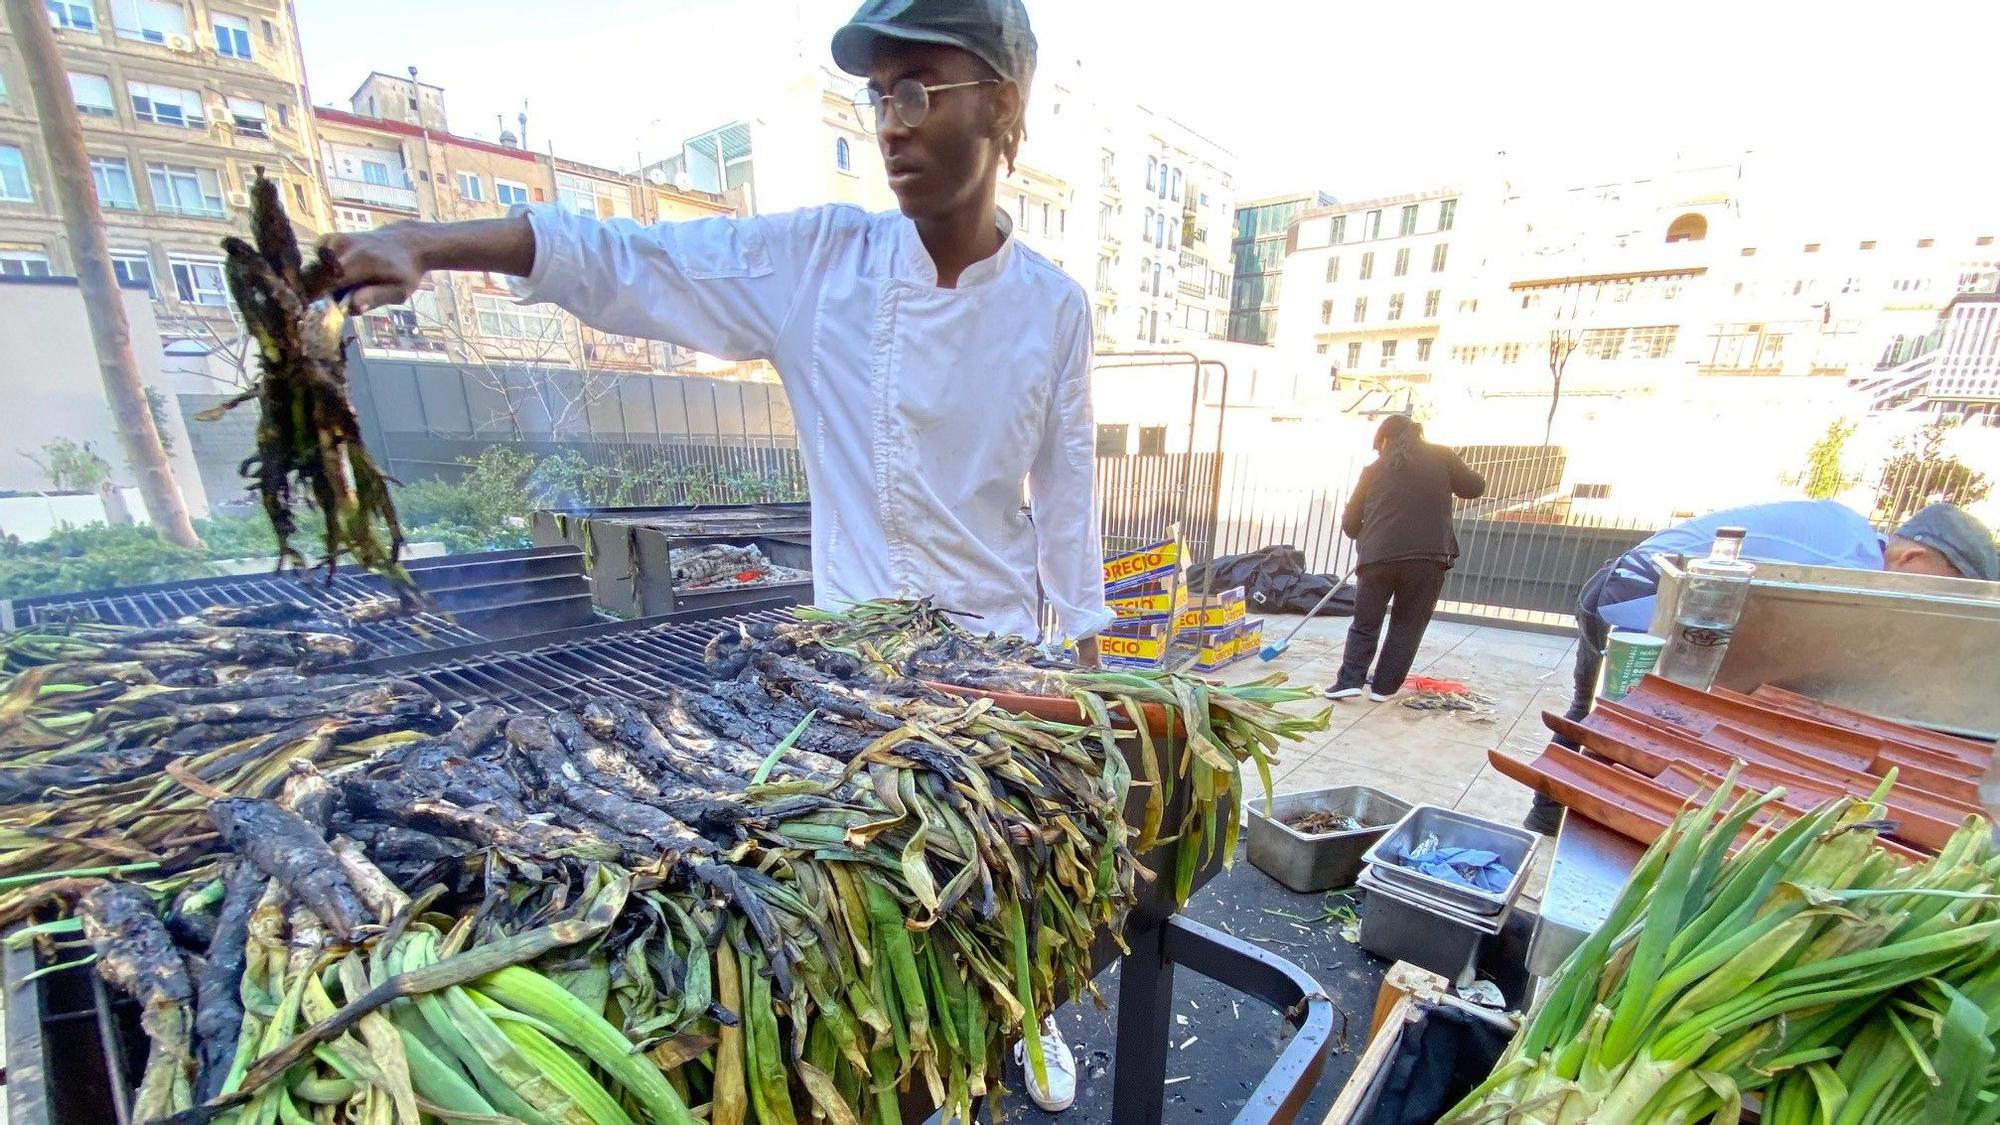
{"x":1627,"y":659}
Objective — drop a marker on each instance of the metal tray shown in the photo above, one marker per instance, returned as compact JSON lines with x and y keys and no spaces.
{"x":1310,"y":863}
{"x":1397,"y":927}
{"x":1453,"y":829}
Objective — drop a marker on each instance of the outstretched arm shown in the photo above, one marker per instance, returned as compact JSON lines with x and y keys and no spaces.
{"x":725,"y":286}
{"x":1466,"y":483}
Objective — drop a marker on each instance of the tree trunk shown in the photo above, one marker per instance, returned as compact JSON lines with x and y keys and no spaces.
{"x":110,"y":333}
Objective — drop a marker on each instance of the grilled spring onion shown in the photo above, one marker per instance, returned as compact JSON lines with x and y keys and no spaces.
{"x":1805,"y":964}
{"x":308,"y":436}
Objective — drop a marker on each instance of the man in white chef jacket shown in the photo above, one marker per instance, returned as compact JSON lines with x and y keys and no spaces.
{"x":933,"y":362}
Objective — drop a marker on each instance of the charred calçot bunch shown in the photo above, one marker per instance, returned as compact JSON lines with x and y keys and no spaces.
{"x":790,"y":897}
{"x":308,"y":438}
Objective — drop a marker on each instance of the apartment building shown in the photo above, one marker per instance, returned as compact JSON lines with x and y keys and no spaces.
{"x":1257,"y":246}
{"x":1180,"y":214}
{"x":1367,"y":286}
{"x":181,"y":102}
{"x":392,"y":156}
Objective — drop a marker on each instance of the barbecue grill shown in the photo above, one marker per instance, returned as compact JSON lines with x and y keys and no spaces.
{"x":488,"y":595}
{"x":628,"y":551}
{"x":69,"y":1040}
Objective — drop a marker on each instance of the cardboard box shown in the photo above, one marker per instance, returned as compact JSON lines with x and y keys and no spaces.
{"x":1216,"y":610}
{"x":1155,"y":601}
{"x":1250,"y":639}
{"x":1151,"y":563}
{"x":1220,"y":647}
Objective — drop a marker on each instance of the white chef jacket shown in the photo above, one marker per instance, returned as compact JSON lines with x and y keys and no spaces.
{"x":920,"y":410}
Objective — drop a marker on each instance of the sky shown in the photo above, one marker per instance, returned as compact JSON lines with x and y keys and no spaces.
{"x":1895,"y":106}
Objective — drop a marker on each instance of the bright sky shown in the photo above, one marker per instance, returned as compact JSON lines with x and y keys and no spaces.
{"x":1875,"y":105}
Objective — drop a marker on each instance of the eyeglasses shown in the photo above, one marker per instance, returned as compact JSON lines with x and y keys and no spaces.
{"x":911,"y":99}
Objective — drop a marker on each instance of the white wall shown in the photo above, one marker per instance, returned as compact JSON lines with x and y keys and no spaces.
{"x":50,"y":381}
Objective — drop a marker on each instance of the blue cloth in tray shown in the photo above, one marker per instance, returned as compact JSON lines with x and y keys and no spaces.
{"x":1468,"y":867}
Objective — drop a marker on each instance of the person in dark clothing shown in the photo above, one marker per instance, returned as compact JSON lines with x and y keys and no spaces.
{"x":1400,"y":520}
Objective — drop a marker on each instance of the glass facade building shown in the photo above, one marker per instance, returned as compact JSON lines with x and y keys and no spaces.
{"x":1258,"y":247}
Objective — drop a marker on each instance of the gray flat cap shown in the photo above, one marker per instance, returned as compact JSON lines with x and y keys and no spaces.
{"x":995,"y":31}
{"x":1964,"y":542}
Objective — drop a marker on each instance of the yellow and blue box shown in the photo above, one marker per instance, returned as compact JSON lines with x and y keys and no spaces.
{"x":1220,"y":648}
{"x":1155,"y":564}
{"x":1157,"y":601}
{"x":1136,"y":644}
{"x":1213,"y":611}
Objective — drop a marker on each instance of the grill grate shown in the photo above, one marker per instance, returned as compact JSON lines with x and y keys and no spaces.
{"x":634,"y":664}
{"x":158,"y":605}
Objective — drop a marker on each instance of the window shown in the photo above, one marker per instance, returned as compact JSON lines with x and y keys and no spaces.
{"x":1438,"y":254}
{"x":1173,"y":235}
{"x":1161,"y":191}
{"x":3,"y":89}
{"x":23,"y":261}
{"x":1367,"y":265}
{"x":1354,"y":355}
{"x":1603,"y":343}
{"x":270,"y":33}
{"x":1510,"y":353}
{"x":1156,"y":279}
{"x":841,"y":159}
{"x":1152,"y":441}
{"x":134,"y":267}
{"x":592,"y":197}
{"x":352,"y":219}
{"x":1177,"y":183}
{"x":154,"y":21}
{"x":166,"y":105}
{"x":180,"y":189}
{"x":1410,"y":219}
{"x":1145,"y":271}
{"x":1447,"y":212}
{"x":1152,"y":167}
{"x":1326,"y":312}
{"x":1337,"y":230}
{"x":1333,"y":269}
{"x":1424,"y":345}
{"x":1111,"y":439}
{"x":1374,"y":228}
{"x":1402,"y":261}
{"x":1812,"y":247}
{"x":501,"y":318}
{"x":232,"y":36}
{"x":508,"y":192}
{"x":1045,"y":218}
{"x":72,"y":15}
{"x":471,"y":187}
{"x":1431,"y":304}
{"x":1160,"y":230}
{"x":1021,"y":213}
{"x":284,"y":116}
{"x":92,"y":95}
{"x":1153,"y":327}
{"x":1869,"y":244}
{"x":1395,"y":306}
{"x":1388,"y":354}
{"x":1655,"y":342}
{"x":14,"y":175}
{"x":247,"y":117}
{"x":1360,"y":309}
{"x":113,"y":178}
{"x":375,"y":172}
{"x":198,"y":280}
{"x":1322,"y":349}
{"x":1926,"y":243}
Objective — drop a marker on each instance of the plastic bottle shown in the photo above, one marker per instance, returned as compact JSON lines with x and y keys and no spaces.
{"x":1712,"y":599}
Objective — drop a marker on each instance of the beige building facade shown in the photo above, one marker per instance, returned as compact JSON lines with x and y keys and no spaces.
{"x":181,"y":102}
{"x":406,"y":164}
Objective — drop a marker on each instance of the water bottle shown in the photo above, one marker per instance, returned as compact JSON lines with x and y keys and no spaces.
{"x":1712,"y":597}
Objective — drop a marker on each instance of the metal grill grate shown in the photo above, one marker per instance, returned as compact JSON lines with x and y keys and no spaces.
{"x":157,"y":605}
{"x":634,"y":664}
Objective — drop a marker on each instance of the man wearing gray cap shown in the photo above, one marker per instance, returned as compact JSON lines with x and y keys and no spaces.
{"x":933,"y":363}
{"x":1940,"y":540}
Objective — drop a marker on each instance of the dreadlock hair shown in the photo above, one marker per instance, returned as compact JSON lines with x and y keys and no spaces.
{"x":1010,"y":145}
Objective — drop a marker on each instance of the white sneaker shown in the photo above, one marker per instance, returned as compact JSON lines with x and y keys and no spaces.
{"x":1060,"y":1062}
{"x":1378,"y":697}
{"x":1341,"y":692}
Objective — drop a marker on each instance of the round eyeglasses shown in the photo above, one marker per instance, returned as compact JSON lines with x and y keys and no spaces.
{"x":910,"y":98}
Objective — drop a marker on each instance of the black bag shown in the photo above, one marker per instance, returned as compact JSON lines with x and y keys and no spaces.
{"x":1274,"y":580}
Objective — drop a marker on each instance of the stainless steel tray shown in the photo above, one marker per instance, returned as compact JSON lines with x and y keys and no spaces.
{"x":1310,"y":863}
{"x":1453,"y":829}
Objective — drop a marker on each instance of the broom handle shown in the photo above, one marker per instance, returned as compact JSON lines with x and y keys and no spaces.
{"x":1317,"y":606}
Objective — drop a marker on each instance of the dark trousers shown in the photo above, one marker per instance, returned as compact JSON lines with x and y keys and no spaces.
{"x":1591,"y":634}
{"x":1405,"y":591}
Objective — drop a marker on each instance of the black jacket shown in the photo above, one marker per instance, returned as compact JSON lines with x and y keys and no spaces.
{"x":1405,"y":512}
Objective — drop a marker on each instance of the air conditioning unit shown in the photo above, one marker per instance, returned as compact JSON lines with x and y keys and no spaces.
{"x":180,"y":43}
{"x":240,"y":199}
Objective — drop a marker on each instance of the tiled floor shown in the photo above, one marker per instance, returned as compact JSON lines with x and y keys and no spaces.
{"x":1432,"y":757}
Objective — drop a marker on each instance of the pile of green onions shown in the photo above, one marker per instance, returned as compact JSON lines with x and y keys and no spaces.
{"x":1800,"y":962}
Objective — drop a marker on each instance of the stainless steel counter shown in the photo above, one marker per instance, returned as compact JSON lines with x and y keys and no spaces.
{"x":1591,"y":866}
{"x":1907,"y":647}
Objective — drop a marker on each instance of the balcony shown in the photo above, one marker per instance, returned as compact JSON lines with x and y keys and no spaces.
{"x":387,"y":333}
{"x":375,"y":195}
